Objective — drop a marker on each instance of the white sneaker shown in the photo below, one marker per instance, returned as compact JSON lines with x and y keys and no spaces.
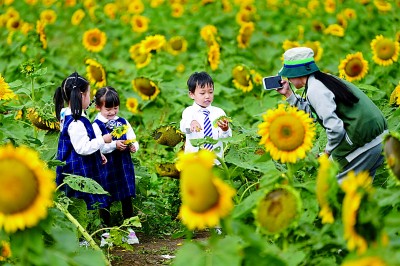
{"x":105,"y":240}
{"x":132,"y":238}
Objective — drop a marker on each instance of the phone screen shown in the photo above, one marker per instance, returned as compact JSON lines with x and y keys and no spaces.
{"x":272,"y":83}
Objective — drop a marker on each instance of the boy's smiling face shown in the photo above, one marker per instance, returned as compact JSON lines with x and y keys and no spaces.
{"x":203,"y":96}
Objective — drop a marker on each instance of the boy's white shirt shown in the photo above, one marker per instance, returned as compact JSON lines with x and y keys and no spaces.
{"x":79,"y":136}
{"x":194,"y":112}
{"x":109,"y":147}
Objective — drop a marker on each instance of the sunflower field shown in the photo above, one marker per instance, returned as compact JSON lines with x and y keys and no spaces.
{"x":275,"y":201}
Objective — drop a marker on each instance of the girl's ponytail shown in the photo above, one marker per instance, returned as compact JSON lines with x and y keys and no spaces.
{"x":76,"y":103}
{"x":58,"y":102}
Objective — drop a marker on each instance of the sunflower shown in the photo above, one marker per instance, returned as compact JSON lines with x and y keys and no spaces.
{"x":287,"y":133}
{"x":167,"y":169}
{"x":365,"y":261}
{"x":318,"y":26}
{"x":242,"y":78}
{"x":40,"y":26}
{"x":277,"y":209}
{"x":357,"y":188}
{"x":146,"y":88}
{"x":14,"y":24}
{"x":349,"y":13}
{"x":129,"y":141}
{"x":317,"y":49}
{"x":141,"y":59}
{"x":245,"y":32}
{"x":214,"y":56}
{"x":330,"y":6}
{"x":385,"y":51}
{"x":70,"y":3}
{"x":335,"y":30}
{"x":26,"y":188}
{"x":209,"y":33}
{"x":177,"y":10}
{"x":26,"y":28}
{"x":341,"y":20}
{"x":392,"y":152}
{"x":48,"y":16}
{"x":244,"y":16}
{"x":94,"y":40}
{"x":136,"y":7}
{"x":382,"y":5}
{"x":132,"y":105}
{"x":327,"y":187}
{"x":5,"y":92}
{"x":353,"y":67}
{"x":156,"y":3}
{"x":5,"y":250}
{"x":289,"y":44}
{"x":139,"y":23}
{"x":257,"y":78}
{"x":205,"y":198}
{"x":110,"y":9}
{"x":95,"y":73}
{"x":313,"y":5}
{"x":168,"y":135}
{"x":176,"y":45}
{"x":152,"y":43}
{"x":43,"y":118}
{"x":395,"y":96}
{"x":77,"y":17}
{"x":226,"y":6}
{"x":118,"y":132}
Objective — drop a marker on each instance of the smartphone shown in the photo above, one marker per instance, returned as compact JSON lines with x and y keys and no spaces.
{"x":272,"y":83}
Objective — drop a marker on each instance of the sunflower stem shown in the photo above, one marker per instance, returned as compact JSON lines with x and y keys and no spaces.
{"x":290,"y":173}
{"x":225,"y":167}
{"x":83,"y":231}
{"x":32,"y":90}
{"x":244,"y":192}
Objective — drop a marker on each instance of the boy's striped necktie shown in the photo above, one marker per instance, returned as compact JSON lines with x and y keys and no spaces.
{"x":207,"y":128}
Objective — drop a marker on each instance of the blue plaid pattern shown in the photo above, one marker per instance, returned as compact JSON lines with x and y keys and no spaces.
{"x":120,"y":181}
{"x":207,"y":128}
{"x":84,"y":165}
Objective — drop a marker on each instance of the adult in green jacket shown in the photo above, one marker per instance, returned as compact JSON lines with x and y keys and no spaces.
{"x":353,"y":123}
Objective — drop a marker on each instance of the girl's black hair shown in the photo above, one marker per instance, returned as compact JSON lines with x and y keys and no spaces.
{"x":338,"y":88}
{"x":107,"y":96}
{"x":71,"y":91}
{"x":201,"y":79}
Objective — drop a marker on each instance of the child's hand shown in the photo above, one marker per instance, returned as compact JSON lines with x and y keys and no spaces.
{"x":119,"y":145}
{"x":107,"y":138}
{"x":195,"y":126}
{"x":132,"y":148}
{"x":103,"y":159}
{"x":223,"y":124}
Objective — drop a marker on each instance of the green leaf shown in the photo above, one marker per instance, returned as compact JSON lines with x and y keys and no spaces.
{"x":247,"y":205}
{"x":190,"y":252}
{"x":84,"y":184}
{"x":227,"y":252}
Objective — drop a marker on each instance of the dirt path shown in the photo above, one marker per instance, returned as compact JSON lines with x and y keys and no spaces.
{"x":150,"y":251}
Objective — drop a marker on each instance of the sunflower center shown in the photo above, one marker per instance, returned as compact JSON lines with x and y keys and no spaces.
{"x":198,"y":191}
{"x":145,"y":87}
{"x":286,"y":133}
{"x":18,"y":186}
{"x":94,"y":40}
{"x":176,"y":45}
{"x":354,"y":67}
{"x":385,"y":49}
{"x":96,"y":73}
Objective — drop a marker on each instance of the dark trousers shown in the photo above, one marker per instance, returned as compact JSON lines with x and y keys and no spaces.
{"x":127,"y":211}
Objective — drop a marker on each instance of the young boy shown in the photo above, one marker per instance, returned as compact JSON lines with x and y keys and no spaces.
{"x":197,"y":120}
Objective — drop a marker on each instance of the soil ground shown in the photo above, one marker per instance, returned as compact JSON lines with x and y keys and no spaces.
{"x":151,"y":250}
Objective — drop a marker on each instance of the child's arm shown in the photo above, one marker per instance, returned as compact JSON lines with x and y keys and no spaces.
{"x":188,"y":124}
{"x":107,"y":147}
{"x":80,"y":139}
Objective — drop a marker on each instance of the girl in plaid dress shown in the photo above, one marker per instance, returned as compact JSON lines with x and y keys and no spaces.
{"x":78,"y":146}
{"x":120,"y":181}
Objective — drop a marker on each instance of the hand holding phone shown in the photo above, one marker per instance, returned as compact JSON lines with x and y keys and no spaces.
{"x":272,"y":83}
